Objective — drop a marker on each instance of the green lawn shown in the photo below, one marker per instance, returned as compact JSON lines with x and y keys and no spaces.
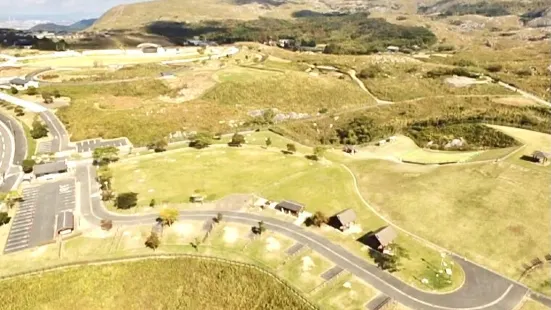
{"x":305,"y":270}
{"x":461,"y":201}
{"x":218,"y":171}
{"x":31,"y":143}
{"x":530,"y":304}
{"x":151,"y":284}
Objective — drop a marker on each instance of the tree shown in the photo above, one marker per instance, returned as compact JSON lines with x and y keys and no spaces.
{"x":201,"y":140}
{"x":219,"y":217}
{"x":39,"y":130}
{"x":106,"y":224}
{"x":126,"y":200}
{"x":28,"y":165}
{"x":31,"y":91}
{"x":152,"y":203}
{"x":13,"y":90}
{"x":104,"y":155}
{"x":195,"y":244}
{"x":291,"y":148}
{"x":318,"y":152}
{"x":268,"y":142}
{"x":260,"y":228}
{"x":153,"y":241}
{"x":57,"y":94}
{"x":168,"y":216}
{"x":237,"y":140}
{"x":158,"y":146}
{"x":107,"y":195}
{"x":318,"y":218}
{"x":104,"y":177}
{"x":47,"y":97}
{"x":390,"y":262}
{"x":4,"y":218}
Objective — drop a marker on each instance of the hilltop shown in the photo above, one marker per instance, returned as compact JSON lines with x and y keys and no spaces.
{"x":130,"y":16}
{"x":78,"y":26}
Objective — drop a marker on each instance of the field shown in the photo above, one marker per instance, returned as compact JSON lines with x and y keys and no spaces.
{"x":389,"y":84}
{"x":221,"y":170}
{"x":91,"y":61}
{"x":177,"y":283}
{"x":459,"y":202}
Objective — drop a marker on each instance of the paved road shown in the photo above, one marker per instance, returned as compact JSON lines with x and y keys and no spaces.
{"x":60,"y":140}
{"x":28,"y":105}
{"x":482,"y":289}
{"x":13,"y":150}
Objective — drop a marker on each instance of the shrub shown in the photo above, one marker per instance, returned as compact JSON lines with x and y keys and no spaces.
{"x":126,"y":200}
{"x":370,"y":72}
{"x":236,"y":140}
{"x":445,"y":48}
{"x":523,"y":72}
{"x":31,"y":91}
{"x":401,"y":17}
{"x":4,"y":218}
{"x":13,"y":90}
{"x":39,"y":130}
{"x":464,"y":63}
{"x":56,"y":93}
{"x":28,"y":165}
{"x":494,"y":68}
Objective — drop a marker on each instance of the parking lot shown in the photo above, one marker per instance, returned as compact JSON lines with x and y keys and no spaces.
{"x":34,"y":222}
{"x":91,"y":145}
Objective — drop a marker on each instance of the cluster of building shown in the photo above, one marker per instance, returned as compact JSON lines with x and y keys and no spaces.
{"x":343,"y":221}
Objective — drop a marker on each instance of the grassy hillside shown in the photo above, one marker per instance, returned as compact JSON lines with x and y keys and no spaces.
{"x":140,"y":14}
{"x":483,"y":7}
{"x":184,"y":283}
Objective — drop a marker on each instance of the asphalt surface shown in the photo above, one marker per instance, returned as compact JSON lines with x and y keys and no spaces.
{"x":18,"y":133}
{"x":482,"y":289}
{"x":60,"y":140}
{"x":34,"y":223}
{"x":7,"y":148}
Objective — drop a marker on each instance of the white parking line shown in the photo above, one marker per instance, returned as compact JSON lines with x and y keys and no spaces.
{"x":11,"y":249}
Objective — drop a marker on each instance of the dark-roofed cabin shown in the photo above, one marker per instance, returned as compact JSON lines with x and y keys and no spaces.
{"x":380,"y":238}
{"x":65,"y":223}
{"x":541,"y":157}
{"x":49,"y":168}
{"x":290,"y":207}
{"x":343,"y":220}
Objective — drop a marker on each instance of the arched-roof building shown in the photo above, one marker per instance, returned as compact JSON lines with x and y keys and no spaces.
{"x":149,"y":47}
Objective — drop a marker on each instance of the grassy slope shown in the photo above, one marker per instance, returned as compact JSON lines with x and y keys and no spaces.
{"x":292,"y":91}
{"x":460,"y":202}
{"x":178,"y":283}
{"x":130,"y":16}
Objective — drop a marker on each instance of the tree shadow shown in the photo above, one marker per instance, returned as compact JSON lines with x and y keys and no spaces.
{"x":178,"y":32}
{"x":529,"y":159}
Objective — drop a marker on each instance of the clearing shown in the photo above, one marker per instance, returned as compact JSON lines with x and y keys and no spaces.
{"x":460,"y":202}
{"x":221,"y":170}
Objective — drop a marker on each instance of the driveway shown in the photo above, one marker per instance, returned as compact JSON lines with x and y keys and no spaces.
{"x":13,"y":150}
{"x":482,"y":289}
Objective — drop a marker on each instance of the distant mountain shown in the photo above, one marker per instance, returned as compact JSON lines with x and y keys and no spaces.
{"x":78,"y":26}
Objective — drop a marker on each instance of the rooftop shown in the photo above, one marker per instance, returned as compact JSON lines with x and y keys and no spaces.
{"x":385,"y":235}
{"x":346,"y":216}
{"x":290,"y":205}
{"x":50,"y":167}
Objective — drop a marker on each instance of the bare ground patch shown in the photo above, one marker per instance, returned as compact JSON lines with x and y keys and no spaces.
{"x":189,"y":87}
{"x":516,"y":101}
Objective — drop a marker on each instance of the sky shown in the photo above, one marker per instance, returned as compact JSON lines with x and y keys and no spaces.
{"x":56,"y":9}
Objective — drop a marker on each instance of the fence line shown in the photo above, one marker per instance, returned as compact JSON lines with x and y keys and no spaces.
{"x":104,"y":261}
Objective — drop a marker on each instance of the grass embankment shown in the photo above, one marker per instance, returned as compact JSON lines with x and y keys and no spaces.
{"x":530,"y":304}
{"x":151,"y":284}
{"x":387,"y":82}
{"x":288,"y":92}
{"x":31,"y":142}
{"x":217,"y":172}
{"x":461,"y":201}
{"x":92,"y":61}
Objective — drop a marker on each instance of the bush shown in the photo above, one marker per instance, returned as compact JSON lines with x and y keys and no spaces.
{"x":31,"y":91}
{"x":464,"y":63}
{"x":237,"y":140}
{"x":445,"y":48}
{"x":494,"y":68}
{"x":47,"y":97}
{"x":4,"y":218}
{"x":201,"y":140}
{"x":57,"y":94}
{"x":126,"y":200}
{"x":39,"y":130}
{"x":28,"y":165}
{"x":401,"y":17}
{"x":523,"y":72}
{"x":13,"y":90}
{"x":370,"y":72}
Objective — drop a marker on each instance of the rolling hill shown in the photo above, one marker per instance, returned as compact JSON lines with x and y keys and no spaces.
{"x":130,"y":16}
{"x":78,"y":26}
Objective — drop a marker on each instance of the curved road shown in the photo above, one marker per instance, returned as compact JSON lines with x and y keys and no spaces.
{"x":482,"y":289}
{"x":13,"y":150}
